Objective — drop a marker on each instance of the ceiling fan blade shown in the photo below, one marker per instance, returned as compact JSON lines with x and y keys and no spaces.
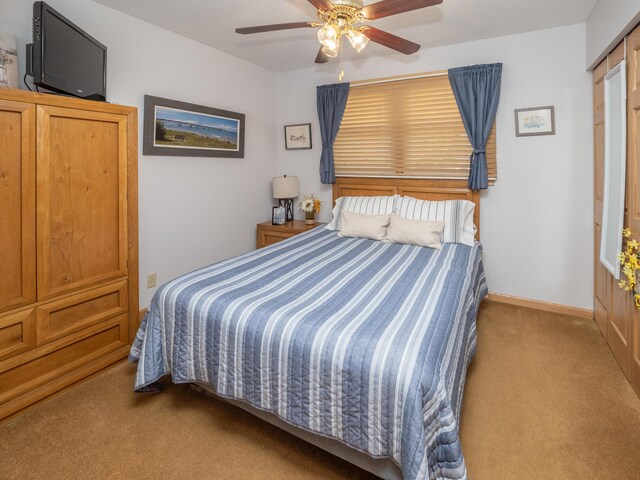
{"x":322,"y":58}
{"x":391,"y":41}
{"x":271,"y":28}
{"x":322,"y":4}
{"x":386,"y":8}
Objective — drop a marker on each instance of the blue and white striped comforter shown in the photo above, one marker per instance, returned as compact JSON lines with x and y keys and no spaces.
{"x":362,"y":341}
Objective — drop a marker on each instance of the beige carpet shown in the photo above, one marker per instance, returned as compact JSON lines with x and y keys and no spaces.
{"x":544,"y":400}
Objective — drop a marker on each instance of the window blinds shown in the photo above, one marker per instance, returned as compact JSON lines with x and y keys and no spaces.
{"x":406,"y":128}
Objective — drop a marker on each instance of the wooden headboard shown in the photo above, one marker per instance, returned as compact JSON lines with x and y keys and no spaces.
{"x":424,"y":189}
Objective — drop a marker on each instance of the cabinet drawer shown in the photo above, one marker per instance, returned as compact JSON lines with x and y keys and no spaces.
{"x":17,"y":333}
{"x":20,"y":379}
{"x":269,"y":238}
{"x":68,"y":315}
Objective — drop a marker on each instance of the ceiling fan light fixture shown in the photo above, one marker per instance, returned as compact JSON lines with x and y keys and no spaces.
{"x":357,"y":39}
{"x":331,"y":52}
{"x":338,"y":18}
{"x":329,"y":36}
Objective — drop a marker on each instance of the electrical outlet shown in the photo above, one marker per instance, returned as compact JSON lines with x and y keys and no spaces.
{"x":151,"y":280}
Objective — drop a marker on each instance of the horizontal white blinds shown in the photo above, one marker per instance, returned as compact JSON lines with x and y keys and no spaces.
{"x":406,"y":128}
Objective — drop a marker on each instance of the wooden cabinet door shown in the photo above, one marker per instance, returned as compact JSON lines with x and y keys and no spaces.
{"x":633,"y":179}
{"x":601,"y":283}
{"x":635,"y":350}
{"x":81,"y":199}
{"x":619,"y":329}
{"x":17,"y":205}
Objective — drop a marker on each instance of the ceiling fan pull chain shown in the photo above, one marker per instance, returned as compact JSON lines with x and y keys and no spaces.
{"x":341,"y":75}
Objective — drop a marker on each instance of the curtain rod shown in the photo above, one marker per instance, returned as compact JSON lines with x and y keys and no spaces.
{"x":374,"y":81}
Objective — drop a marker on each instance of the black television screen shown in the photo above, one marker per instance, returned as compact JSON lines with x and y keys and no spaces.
{"x":65,"y":58}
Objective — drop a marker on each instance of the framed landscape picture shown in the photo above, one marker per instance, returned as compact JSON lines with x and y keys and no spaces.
{"x":8,"y":61}
{"x":297,"y":137}
{"x":184,"y":129}
{"x":535,"y":121}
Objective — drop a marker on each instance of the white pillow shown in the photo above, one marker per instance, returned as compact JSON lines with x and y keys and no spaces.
{"x":361,"y":205}
{"x":373,"y":227}
{"x":424,"y":233}
{"x":457,"y":216}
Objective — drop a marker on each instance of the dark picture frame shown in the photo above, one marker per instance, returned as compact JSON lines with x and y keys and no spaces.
{"x":298,"y":137}
{"x":179,"y":129}
{"x":278,"y":215}
{"x":546,"y":125}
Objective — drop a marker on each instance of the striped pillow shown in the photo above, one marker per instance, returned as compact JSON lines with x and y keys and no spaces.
{"x":457,"y":216}
{"x":362,"y":206}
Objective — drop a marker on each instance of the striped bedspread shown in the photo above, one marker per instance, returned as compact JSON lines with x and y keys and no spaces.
{"x":362,"y":341}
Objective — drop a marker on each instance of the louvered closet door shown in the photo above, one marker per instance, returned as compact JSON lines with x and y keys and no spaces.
{"x":17,"y":205}
{"x":82,"y":199}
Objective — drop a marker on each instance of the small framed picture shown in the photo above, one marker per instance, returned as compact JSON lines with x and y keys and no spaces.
{"x":535,"y":121}
{"x":277,"y":216}
{"x":297,"y":137}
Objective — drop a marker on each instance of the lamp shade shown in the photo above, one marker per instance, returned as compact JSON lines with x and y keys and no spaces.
{"x":329,"y":36}
{"x":285,"y":187}
{"x":358,"y":39}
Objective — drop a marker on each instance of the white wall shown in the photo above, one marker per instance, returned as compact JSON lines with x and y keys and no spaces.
{"x":536,"y":228}
{"x":193,"y":211}
{"x":608,"y":23}
{"x":537,"y":221}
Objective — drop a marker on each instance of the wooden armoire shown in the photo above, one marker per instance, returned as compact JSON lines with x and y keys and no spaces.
{"x":615,"y":311}
{"x":68,"y":242}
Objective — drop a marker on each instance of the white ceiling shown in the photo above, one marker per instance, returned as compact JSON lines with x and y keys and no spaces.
{"x":213,"y":22}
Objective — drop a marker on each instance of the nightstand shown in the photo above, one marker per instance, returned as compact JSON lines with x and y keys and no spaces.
{"x":269,"y":234}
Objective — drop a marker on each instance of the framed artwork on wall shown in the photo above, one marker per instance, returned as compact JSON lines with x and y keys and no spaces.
{"x":8,"y":61}
{"x":531,"y":122}
{"x":183,"y":129}
{"x":297,"y":137}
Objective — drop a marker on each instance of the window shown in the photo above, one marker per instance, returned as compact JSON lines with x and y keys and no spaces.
{"x":406,"y":128}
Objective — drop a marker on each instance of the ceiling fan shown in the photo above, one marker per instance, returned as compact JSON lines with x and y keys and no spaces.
{"x":340,"y":18}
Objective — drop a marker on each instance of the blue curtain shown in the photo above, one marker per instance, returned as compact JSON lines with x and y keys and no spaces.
{"x":477,"y":93}
{"x":332,"y":100}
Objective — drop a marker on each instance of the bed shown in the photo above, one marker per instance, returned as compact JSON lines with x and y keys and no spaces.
{"x":358,"y":346}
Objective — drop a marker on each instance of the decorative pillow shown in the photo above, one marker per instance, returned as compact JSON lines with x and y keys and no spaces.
{"x":361,"y":205}
{"x":457,"y":216}
{"x":373,"y":227}
{"x":424,"y":233}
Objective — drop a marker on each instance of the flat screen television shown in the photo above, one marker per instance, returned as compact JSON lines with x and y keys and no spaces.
{"x":64,"y":58}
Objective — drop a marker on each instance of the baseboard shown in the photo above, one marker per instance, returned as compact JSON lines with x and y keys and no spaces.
{"x":540,"y":305}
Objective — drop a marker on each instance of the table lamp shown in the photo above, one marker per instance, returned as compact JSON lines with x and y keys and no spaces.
{"x":285,"y":189}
